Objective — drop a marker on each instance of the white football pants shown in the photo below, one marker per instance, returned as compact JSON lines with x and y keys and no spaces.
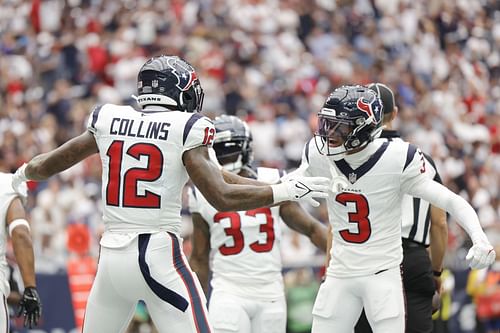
{"x":151,"y":268}
{"x":230,"y":313}
{"x":339,"y":303}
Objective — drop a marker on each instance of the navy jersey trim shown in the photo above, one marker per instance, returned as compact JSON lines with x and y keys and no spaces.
{"x":193,"y":191}
{"x":167,"y":295}
{"x":95,"y":116}
{"x":306,"y":151}
{"x":200,"y":318}
{"x":194,"y":118}
{"x":346,"y":169}
{"x":409,"y":155}
{"x":437,"y":177}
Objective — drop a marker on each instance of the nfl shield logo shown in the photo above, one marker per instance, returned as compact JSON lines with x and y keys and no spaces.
{"x":154,"y":83}
{"x":352,"y":177}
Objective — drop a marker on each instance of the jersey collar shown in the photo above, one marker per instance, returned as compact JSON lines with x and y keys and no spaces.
{"x":354,"y":175}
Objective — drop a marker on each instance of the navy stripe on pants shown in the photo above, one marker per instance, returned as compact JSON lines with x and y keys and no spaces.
{"x":159,"y":290}
{"x":197,"y":307}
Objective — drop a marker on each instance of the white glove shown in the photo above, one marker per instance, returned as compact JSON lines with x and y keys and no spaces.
{"x":301,"y":189}
{"x":481,"y":255}
{"x":19,"y":183}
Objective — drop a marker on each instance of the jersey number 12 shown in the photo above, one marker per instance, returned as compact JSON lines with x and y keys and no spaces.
{"x":132,"y":176}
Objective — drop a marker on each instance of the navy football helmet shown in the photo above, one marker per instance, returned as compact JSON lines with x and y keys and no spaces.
{"x":232,"y":143}
{"x":169,"y":81}
{"x":350,"y":119}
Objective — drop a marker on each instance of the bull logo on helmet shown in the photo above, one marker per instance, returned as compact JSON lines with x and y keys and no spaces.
{"x":183,"y":71}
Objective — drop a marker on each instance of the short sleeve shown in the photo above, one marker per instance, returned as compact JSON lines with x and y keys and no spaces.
{"x":93,"y":118}
{"x":198,"y":131}
{"x":193,"y":202}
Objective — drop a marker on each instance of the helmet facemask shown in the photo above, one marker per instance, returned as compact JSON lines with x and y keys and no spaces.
{"x":233,"y":144}
{"x":233,"y":155}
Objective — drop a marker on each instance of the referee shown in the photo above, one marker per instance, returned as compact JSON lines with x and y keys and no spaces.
{"x":423,"y":225}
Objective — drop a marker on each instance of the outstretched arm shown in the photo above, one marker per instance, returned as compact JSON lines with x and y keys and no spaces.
{"x":201,"y":250}
{"x":439,"y":237}
{"x":439,"y":241}
{"x":75,"y":150}
{"x":207,"y":177}
{"x":329,"y":242}
{"x":21,"y":242}
{"x":301,"y":221}
{"x":30,"y":305}
{"x":482,"y":253}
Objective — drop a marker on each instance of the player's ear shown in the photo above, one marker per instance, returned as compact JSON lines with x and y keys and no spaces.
{"x":394,"y":113}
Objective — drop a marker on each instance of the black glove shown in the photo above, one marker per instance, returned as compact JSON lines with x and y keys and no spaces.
{"x":30,"y":306}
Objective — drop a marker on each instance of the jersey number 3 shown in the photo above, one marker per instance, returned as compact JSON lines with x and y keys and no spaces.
{"x":359,"y":217}
{"x":234,"y":231}
{"x":133,"y":176}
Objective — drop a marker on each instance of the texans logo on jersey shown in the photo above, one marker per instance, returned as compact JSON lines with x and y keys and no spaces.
{"x":184,"y":72}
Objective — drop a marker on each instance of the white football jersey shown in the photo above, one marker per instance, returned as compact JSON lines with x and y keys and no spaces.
{"x":7,"y":194}
{"x":366,"y":215}
{"x":142,"y":169}
{"x":245,"y":246}
{"x":416,"y":220}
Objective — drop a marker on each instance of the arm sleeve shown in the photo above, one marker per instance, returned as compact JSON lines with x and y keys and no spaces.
{"x":417,"y":183}
{"x":198,"y":131}
{"x":440,"y":196}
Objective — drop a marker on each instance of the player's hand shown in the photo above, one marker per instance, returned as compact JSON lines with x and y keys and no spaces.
{"x":302,"y":189}
{"x":30,"y":307}
{"x":436,"y":302}
{"x":481,"y":255}
{"x":19,"y":182}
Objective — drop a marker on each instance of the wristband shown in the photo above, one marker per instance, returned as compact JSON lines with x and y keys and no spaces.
{"x":280,"y":192}
{"x":437,"y":273}
{"x":16,"y":223}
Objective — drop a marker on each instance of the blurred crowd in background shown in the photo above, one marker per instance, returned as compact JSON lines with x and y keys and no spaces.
{"x":270,"y":62}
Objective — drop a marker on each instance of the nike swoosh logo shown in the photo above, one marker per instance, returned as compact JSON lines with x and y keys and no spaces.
{"x":301,"y":186}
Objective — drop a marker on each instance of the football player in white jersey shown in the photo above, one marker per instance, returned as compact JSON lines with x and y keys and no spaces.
{"x":15,"y":226}
{"x":370,"y":178}
{"x":423,"y":226}
{"x":147,"y":157}
{"x":247,"y":285}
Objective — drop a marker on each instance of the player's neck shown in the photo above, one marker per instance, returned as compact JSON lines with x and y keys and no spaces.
{"x":388,"y":126}
{"x":155,"y":108}
{"x":355,"y":159}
